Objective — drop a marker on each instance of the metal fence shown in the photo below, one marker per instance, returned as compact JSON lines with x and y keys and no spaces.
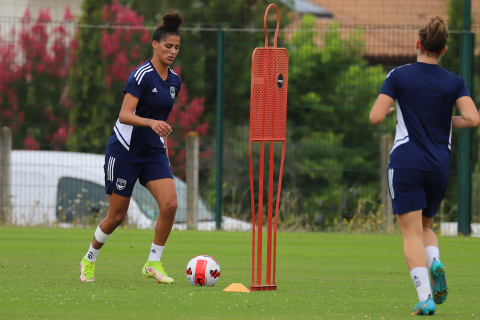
{"x":61,"y":91}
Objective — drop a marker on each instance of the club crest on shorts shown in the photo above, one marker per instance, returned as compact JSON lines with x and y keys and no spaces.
{"x":121,"y":184}
{"x":172,"y":92}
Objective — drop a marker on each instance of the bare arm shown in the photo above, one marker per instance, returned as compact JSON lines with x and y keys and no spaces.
{"x":469,"y":114}
{"x":128,"y":117}
{"x":381,"y":109}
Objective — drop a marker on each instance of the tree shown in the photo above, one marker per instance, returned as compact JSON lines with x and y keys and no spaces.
{"x":34,"y":63}
{"x":103,"y":61}
{"x":185,"y":117}
{"x":451,"y":60}
{"x":330,"y":99}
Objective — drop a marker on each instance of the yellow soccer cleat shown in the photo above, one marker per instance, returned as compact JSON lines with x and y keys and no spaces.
{"x":154,"y":269}
{"x":87,"y":270}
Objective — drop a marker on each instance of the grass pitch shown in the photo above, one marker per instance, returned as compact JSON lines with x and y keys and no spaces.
{"x":319,"y":276}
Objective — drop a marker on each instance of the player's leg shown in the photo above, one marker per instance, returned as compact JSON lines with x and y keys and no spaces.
{"x":430,"y":241}
{"x":437,"y":269}
{"x":157,"y":177}
{"x":412,"y":233}
{"x":435,"y":187}
{"x":120,"y":178}
{"x":408,"y":200}
{"x":165,"y":194}
{"x":117,"y":210}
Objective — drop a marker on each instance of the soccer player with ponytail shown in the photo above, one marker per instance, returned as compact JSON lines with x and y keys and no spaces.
{"x":137,"y":149}
{"x":424,"y":95}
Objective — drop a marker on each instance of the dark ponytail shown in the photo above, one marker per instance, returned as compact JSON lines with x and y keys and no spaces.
{"x":170,"y":26}
{"x":433,"y":36}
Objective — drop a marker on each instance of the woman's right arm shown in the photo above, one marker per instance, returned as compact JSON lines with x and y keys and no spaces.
{"x":469,"y":117}
{"x":128,"y":117}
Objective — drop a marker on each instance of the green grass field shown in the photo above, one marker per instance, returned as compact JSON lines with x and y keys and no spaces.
{"x":319,"y":276}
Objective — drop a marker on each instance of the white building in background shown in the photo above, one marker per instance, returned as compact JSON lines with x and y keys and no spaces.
{"x":16,"y":8}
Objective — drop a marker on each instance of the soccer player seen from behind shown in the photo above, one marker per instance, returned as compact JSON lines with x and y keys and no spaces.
{"x":424,"y":95}
{"x":137,"y":149}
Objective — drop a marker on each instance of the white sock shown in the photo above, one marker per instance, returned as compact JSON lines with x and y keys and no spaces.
{"x":155,"y":252}
{"x":92,"y":254}
{"x":421,"y":282}
{"x":432,"y":252}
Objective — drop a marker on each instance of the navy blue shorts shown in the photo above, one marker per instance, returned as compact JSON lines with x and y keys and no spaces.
{"x":121,"y":176}
{"x":413,"y":190}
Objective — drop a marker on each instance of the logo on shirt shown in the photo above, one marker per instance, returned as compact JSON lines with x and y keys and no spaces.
{"x":121,"y":184}
{"x":154,"y":90}
{"x":172,"y":92}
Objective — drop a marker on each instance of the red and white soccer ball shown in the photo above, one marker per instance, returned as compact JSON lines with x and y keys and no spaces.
{"x":203,"y":271}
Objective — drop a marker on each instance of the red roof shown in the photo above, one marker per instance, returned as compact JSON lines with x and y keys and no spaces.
{"x":390,"y":26}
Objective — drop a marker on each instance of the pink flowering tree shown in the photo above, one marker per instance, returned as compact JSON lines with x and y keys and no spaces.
{"x":185,"y":117}
{"x":103,"y":61}
{"x":61,"y":88}
{"x":35,"y":59}
{"x":121,"y":44}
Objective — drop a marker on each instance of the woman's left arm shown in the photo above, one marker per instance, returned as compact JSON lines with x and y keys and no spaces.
{"x":468,"y":117}
{"x":381,"y":109}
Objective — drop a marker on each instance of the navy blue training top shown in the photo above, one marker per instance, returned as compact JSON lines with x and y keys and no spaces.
{"x":155,"y":101}
{"x":424,"y":95}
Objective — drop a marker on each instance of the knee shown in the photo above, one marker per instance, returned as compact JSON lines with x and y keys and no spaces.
{"x":119,"y":218}
{"x":414,"y":233}
{"x":170,"y":207}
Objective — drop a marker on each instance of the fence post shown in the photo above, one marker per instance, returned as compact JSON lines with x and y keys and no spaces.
{"x":219,"y":151}
{"x":387,"y":212}
{"x":5,"y":158}
{"x":464,"y":138}
{"x":192,"y":179}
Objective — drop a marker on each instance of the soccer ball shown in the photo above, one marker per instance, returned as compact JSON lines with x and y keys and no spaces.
{"x":203,"y":271}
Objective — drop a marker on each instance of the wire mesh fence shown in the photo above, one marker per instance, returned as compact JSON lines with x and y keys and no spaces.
{"x":61,"y":91}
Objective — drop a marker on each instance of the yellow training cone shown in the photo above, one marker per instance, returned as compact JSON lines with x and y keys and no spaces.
{"x":236,"y":287}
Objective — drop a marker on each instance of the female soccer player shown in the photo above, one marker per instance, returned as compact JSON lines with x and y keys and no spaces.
{"x":424,"y":94}
{"x":137,"y":149}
